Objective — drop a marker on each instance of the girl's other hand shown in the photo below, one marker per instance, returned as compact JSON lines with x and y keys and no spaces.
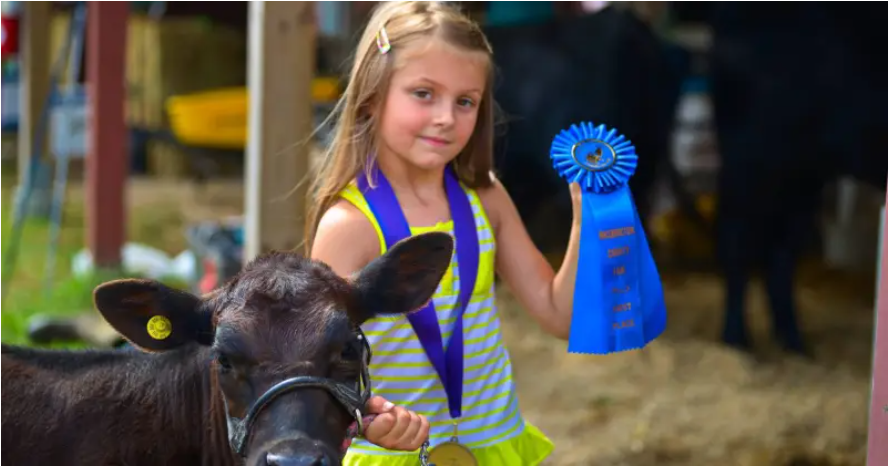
{"x":395,"y":427}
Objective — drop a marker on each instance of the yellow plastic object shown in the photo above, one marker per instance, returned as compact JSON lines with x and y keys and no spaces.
{"x":325,"y":89}
{"x":218,"y":118}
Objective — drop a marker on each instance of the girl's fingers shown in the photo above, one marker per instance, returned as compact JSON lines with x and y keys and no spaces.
{"x":399,"y":429}
{"x":402,"y":423}
{"x":406,"y":441}
{"x":422,"y":433}
{"x":381,"y":426}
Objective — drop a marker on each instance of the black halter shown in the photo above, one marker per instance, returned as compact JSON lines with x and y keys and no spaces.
{"x":352,"y":397}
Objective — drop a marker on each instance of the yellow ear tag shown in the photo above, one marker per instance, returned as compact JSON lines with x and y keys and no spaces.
{"x":159,"y":327}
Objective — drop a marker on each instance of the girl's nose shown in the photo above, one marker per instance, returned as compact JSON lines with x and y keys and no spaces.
{"x":444,"y":115}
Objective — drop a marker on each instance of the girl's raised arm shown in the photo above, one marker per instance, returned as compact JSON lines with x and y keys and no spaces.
{"x":545,"y":294}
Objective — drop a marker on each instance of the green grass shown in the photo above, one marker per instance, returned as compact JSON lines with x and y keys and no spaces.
{"x":27,"y":294}
{"x":68,"y":295}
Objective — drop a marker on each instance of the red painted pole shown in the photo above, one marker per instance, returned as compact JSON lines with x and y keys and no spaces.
{"x":106,"y":161}
{"x":877,"y":452}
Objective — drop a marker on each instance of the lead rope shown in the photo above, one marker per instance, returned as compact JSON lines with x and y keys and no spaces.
{"x":356,"y":429}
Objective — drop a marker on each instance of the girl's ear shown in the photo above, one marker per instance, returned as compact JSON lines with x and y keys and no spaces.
{"x":404,"y":279}
{"x":374,"y":105}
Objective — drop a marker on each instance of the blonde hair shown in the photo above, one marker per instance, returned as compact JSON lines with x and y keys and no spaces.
{"x":354,"y":137}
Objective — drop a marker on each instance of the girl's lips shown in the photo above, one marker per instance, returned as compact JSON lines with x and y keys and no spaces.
{"x":435,"y":141}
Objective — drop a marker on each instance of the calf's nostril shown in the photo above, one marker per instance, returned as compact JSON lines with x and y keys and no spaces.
{"x":297,"y":459}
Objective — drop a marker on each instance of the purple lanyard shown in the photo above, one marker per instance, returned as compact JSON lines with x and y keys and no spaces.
{"x":385,"y":207}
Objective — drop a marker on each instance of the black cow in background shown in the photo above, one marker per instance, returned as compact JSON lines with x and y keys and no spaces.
{"x":608,"y":68}
{"x":800,"y":98}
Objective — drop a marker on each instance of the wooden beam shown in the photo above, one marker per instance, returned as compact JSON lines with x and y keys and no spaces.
{"x":877,"y":452}
{"x":34,"y":79}
{"x":106,"y":160}
{"x":280,"y":60}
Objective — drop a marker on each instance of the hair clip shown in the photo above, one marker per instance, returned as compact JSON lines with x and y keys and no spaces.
{"x":382,"y":41}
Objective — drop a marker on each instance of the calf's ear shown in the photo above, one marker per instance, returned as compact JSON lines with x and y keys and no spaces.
{"x":405,"y":278}
{"x":152,"y":316}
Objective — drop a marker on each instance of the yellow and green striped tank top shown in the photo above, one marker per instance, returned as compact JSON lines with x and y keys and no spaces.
{"x":491,"y":423}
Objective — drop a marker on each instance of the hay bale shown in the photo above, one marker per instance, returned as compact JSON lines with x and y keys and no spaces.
{"x":176,"y":56}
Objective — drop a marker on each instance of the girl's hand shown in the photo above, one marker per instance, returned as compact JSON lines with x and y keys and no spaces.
{"x":395,"y":427}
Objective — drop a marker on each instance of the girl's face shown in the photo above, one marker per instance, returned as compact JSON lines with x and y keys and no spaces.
{"x":432,"y":105}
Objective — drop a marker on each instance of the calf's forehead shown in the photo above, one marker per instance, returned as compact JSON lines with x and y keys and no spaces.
{"x":283,"y":339}
{"x":284,"y":299}
{"x":290,"y":281}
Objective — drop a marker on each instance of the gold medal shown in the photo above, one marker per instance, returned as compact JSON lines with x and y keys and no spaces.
{"x":452,"y":452}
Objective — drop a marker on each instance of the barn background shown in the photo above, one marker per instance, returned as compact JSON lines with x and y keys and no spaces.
{"x":687,"y":398}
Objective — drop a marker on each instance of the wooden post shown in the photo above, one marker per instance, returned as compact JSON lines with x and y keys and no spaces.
{"x":280,"y":60}
{"x":34,"y":79}
{"x":106,"y":160}
{"x":877,"y":452}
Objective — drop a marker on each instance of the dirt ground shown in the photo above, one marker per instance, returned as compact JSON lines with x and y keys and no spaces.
{"x":685,"y":399}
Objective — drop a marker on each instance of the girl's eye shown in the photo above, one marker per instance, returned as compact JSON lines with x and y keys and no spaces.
{"x":466,"y":102}
{"x":422,"y":94}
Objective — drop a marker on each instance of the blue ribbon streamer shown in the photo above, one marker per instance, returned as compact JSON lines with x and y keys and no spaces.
{"x":618,"y":298}
{"x":384,"y":203}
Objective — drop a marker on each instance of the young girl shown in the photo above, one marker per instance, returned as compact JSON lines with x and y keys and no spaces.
{"x":416,"y":117}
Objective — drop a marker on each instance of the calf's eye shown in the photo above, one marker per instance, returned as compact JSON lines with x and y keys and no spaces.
{"x":224,"y":363}
{"x":351,"y":351}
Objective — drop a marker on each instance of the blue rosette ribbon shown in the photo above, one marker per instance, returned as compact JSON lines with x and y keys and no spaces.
{"x":618,"y":297}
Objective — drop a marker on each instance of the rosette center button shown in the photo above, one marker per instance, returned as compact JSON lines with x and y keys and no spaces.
{"x":594,"y":154}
